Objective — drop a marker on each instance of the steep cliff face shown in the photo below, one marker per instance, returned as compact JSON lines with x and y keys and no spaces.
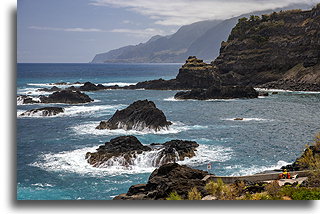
{"x":282,"y":46}
{"x":197,"y":74}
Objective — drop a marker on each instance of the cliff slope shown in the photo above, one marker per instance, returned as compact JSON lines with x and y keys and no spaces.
{"x":281,"y":49}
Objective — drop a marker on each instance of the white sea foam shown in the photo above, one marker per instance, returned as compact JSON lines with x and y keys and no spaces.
{"x":32,"y":91}
{"x":121,"y":84}
{"x":172,"y":99}
{"x":248,"y":119}
{"x":90,"y":129}
{"x":20,"y":100}
{"x":42,"y":185}
{"x":243,"y":170}
{"x":281,"y":90}
{"x":78,"y":110}
{"x":74,"y":161}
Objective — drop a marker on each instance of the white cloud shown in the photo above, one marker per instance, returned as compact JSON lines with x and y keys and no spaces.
{"x":147,"y":32}
{"x":181,"y":12}
{"x":139,"y":32}
{"x":67,"y":29}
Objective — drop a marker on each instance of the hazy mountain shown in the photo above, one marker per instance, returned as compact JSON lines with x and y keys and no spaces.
{"x":202,"y":39}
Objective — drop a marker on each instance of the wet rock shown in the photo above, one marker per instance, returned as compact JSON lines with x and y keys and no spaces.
{"x":46,"y":111}
{"x":238,"y":118}
{"x":140,"y":115}
{"x":123,"y":151}
{"x":124,"y":147}
{"x":176,"y":150}
{"x":224,"y":92}
{"x":166,"y":179}
{"x":66,"y":96}
{"x":54,"y":88}
{"x":88,"y":86}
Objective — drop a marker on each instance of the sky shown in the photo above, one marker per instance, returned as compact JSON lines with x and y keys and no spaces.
{"x":76,"y":30}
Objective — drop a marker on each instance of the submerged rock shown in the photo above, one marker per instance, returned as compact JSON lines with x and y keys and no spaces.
{"x":66,"y":96}
{"x":139,"y":115}
{"x":166,"y":179}
{"x":123,"y":151}
{"x":223,"y":92}
{"x":46,"y":111}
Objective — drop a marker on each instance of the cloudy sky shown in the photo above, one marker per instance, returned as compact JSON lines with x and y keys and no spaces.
{"x":75,"y":30}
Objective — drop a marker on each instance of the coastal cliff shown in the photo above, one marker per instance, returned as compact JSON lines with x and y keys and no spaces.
{"x":279,"y":50}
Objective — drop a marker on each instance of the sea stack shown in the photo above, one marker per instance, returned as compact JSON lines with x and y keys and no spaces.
{"x":140,"y":115}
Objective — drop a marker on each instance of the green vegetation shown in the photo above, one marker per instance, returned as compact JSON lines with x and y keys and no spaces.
{"x":174,"y":196}
{"x":220,"y":190}
{"x":194,"y":194}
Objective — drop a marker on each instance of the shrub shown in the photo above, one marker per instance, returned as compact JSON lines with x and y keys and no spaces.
{"x":220,"y":190}
{"x":194,"y":194}
{"x":174,"y":196}
{"x":273,"y":189}
{"x":306,"y":194}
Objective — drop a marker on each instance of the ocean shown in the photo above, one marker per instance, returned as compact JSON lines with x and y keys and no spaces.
{"x":51,"y":151}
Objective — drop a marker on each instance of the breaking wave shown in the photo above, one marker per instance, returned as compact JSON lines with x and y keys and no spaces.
{"x":90,"y":129}
{"x":74,"y":161}
{"x":246,"y":119}
{"x":241,"y":170}
{"x":289,"y":91}
{"x":79,"y":110}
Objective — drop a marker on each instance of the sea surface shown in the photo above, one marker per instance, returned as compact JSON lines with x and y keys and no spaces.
{"x":51,"y":151}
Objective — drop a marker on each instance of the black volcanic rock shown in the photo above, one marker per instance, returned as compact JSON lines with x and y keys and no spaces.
{"x":124,"y":146}
{"x":66,"y":96}
{"x":139,"y":115}
{"x":54,"y":88}
{"x":124,"y":149}
{"x":88,"y":86}
{"x":46,"y":111}
{"x":176,"y":150}
{"x":193,"y":74}
{"x":197,"y":74}
{"x":224,"y":92}
{"x":166,"y":179}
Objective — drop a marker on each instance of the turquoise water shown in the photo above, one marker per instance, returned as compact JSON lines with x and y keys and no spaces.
{"x":50,"y":151}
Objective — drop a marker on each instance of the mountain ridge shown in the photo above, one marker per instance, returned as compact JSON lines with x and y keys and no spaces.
{"x":202,"y":39}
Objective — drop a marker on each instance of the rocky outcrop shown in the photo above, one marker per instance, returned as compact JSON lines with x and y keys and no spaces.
{"x":193,"y":74}
{"x":142,"y":114}
{"x":197,"y":74}
{"x":45,"y":112}
{"x":123,"y":151}
{"x":297,"y":165}
{"x":52,"y":89}
{"x":124,"y":147}
{"x":166,"y":179}
{"x":66,"y":96}
{"x":224,"y":92}
{"x":266,"y":49}
{"x":88,"y":86}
